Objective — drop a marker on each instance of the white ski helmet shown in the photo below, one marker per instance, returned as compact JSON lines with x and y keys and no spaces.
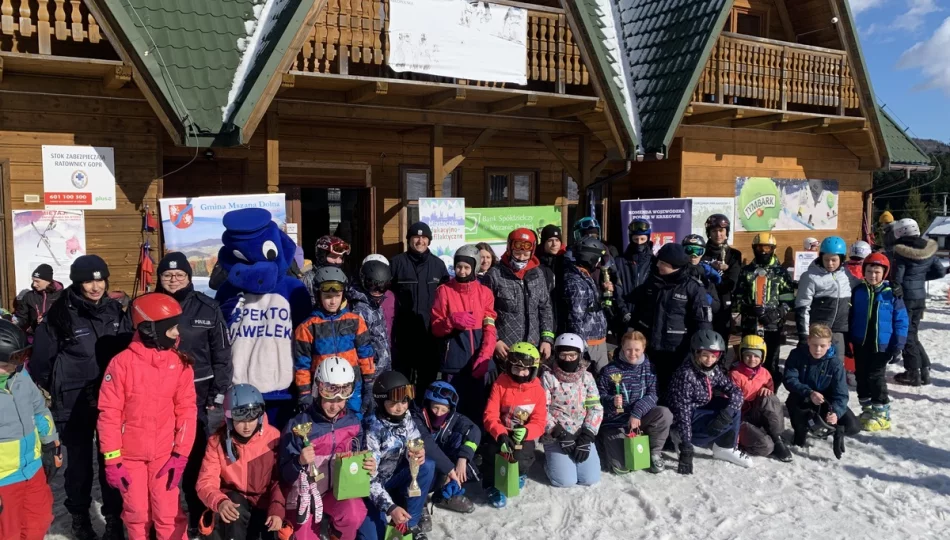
{"x":570,"y":341}
{"x":810,"y":243}
{"x":906,"y":227}
{"x":860,"y":249}
{"x":375,"y":257}
{"x":335,"y":370}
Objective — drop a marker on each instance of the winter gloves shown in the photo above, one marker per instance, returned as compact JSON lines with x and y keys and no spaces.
{"x":772,"y":316}
{"x":582,"y":445}
{"x":838,"y":441}
{"x":52,"y":459}
{"x":721,"y":422}
{"x":564,"y":439}
{"x":174,"y":467}
{"x":484,"y":368}
{"x":118,"y":477}
{"x":506,"y":443}
{"x":685,"y":465}
{"x":463,"y":320}
{"x":518,"y":434}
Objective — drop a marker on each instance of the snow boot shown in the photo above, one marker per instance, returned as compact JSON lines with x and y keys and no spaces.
{"x":82,"y":527}
{"x":497,"y":498}
{"x":522,"y":481}
{"x":115,"y":530}
{"x":925,"y":375}
{"x":656,"y":463}
{"x":780,"y":451}
{"x":459,"y":503}
{"x":909,"y":378}
{"x":732,"y":455}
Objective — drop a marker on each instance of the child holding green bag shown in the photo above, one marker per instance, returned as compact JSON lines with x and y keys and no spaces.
{"x":628,"y":392}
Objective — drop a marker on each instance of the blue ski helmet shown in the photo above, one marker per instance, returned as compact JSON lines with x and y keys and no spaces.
{"x":442,"y":393}
{"x":834,"y":245}
{"x":585,"y":224}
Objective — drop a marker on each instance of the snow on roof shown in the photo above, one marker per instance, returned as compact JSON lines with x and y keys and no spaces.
{"x":610,"y":21}
{"x":259,"y":30}
{"x":939,"y":227}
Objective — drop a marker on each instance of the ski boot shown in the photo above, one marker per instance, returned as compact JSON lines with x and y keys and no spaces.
{"x":909,"y":378}
{"x":82,"y":527}
{"x":656,"y":463}
{"x":732,"y":455}
{"x":497,"y":498}
{"x":425,"y":521}
{"x":880,"y":419}
{"x":458,"y":503}
{"x":780,"y":451}
{"x":866,"y":411}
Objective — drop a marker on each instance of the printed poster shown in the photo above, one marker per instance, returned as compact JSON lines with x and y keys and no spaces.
{"x":670,"y":219}
{"x":803,"y":260}
{"x":53,"y":237}
{"x":446,"y":218}
{"x":194,"y":226}
{"x":492,"y":225}
{"x":781,"y":204}
{"x":460,"y":39}
{"x":703,"y":207}
{"x":79,"y":177}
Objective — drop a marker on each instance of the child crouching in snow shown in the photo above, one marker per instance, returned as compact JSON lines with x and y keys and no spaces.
{"x":574,"y":415}
{"x":627,"y":388}
{"x":706,"y":404}
{"x":763,"y":420}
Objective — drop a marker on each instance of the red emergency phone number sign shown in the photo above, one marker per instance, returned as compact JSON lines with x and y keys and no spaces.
{"x":69,"y":198}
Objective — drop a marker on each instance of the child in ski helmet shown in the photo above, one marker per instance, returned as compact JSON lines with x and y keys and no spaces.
{"x":855,"y":263}
{"x":237,"y":482}
{"x":763,"y":420}
{"x":706,"y":404}
{"x":370,"y":297}
{"x":147,"y":417}
{"x":515,"y":415}
{"x":824,"y":294}
{"x":574,"y":414}
{"x":630,"y":404}
{"x":695,"y":246}
{"x":587,"y":314}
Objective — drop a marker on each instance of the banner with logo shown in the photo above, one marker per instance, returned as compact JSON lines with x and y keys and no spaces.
{"x":446,"y":218}
{"x":78,"y":177}
{"x":781,"y":204}
{"x":53,"y":237}
{"x":492,"y":225}
{"x":194,"y":226}
{"x":803,"y":259}
{"x":670,"y":219}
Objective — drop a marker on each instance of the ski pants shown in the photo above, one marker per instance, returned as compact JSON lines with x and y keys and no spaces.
{"x":598,"y":356}
{"x":665,"y":364}
{"x":704,"y":436}
{"x":374,"y":526}
{"x":27,"y":509}
{"x":77,"y":436}
{"x":189,"y":478}
{"x":249,"y":526}
{"x":915,"y":357}
{"x":773,"y":346}
{"x":149,"y":501}
{"x":562,"y":471}
{"x":345,"y":518}
{"x":654,"y":424}
{"x":800,"y":411}
{"x":761,"y":423}
{"x":871,"y":371}
{"x":473,"y":393}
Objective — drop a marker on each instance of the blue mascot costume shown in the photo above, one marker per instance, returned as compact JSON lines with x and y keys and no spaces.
{"x":263,"y":304}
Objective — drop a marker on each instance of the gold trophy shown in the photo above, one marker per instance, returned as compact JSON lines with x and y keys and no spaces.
{"x":413,"y":448}
{"x":616,"y":378}
{"x":522,"y":416}
{"x":303,"y":431}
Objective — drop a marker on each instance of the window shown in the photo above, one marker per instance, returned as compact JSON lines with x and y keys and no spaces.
{"x":511,"y":187}
{"x":415,"y":185}
{"x":747,"y":22}
{"x":571,"y":190}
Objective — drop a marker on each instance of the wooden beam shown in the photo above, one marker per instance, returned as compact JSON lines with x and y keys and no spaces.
{"x":117,"y":78}
{"x":845,"y":127}
{"x":513,"y":104}
{"x":568,"y":166}
{"x":786,"y":21}
{"x":715,"y":116}
{"x":443,"y":98}
{"x":566,"y":111}
{"x":599,"y":167}
{"x":287,"y":81}
{"x":585,"y":179}
{"x":453,"y":163}
{"x":436,"y":160}
{"x":367,"y":92}
{"x":807,"y":123}
{"x":759,"y":120}
{"x":273,"y":152}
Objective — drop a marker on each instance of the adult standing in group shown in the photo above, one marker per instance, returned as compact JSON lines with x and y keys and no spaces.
{"x":415,"y":276}
{"x":886,"y":222}
{"x":915,"y":263}
{"x":81,"y":333}
{"x":203,"y":336}
{"x":328,"y":251}
{"x":522,"y":299}
{"x":728,"y":262}
{"x":32,"y":304}
{"x":550,"y":253}
{"x":633,"y":270}
{"x":486,"y":259}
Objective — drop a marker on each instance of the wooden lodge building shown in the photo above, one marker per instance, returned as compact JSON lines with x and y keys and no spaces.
{"x":662,"y":98}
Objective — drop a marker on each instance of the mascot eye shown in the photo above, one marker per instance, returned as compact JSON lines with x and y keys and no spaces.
{"x":270,"y":250}
{"x":240,"y":255}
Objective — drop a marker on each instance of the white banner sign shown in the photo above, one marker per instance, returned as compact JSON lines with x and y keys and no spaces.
{"x":460,"y":39}
{"x":446,"y":218}
{"x":803,"y":260}
{"x":79,"y":177}
{"x":703,"y":207}
{"x":53,"y":237}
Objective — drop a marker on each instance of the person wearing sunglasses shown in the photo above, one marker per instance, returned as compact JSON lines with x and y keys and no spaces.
{"x":522,"y":297}
{"x":695,"y":246}
{"x":370,"y":297}
{"x":334,"y":430}
{"x":333,"y":330}
{"x":726,"y":260}
{"x":328,"y":251}
{"x":25,"y":476}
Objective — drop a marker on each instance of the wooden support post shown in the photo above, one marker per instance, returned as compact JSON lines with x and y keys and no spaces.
{"x":117,"y":78}
{"x":566,"y":111}
{"x":584,"y":180}
{"x":453,"y":163}
{"x":568,"y":166}
{"x":443,"y":98}
{"x":807,"y":123}
{"x":599,"y":167}
{"x":436,"y":160}
{"x":273,"y":152}
{"x":715,"y":116}
{"x":367,"y":92}
{"x":513,"y":104}
{"x":756,"y":121}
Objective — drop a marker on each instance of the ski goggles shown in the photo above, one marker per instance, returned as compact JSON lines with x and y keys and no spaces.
{"x":17,"y":357}
{"x":443,"y":393}
{"x":714,"y":223}
{"x":522,"y":245}
{"x":339,"y":247}
{"x":331,"y":287}
{"x":400,"y":394}
{"x":764,"y":248}
{"x":694,"y":250}
{"x":377,"y":287}
{"x":586,"y":223}
{"x":335,"y":391}
{"x":639,"y":226}
{"x":522,"y":360}
{"x":246,"y":413}
{"x":716,"y":354}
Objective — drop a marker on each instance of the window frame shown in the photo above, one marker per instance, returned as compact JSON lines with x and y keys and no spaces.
{"x":404,"y":170}
{"x":534,"y":186}
{"x":764,"y":15}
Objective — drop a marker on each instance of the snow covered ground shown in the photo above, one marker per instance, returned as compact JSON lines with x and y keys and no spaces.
{"x":887,"y":485}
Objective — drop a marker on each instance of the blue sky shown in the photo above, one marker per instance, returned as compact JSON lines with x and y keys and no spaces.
{"x":906,"y":45}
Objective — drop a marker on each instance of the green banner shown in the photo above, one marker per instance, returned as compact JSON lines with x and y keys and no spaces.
{"x":492,"y":225}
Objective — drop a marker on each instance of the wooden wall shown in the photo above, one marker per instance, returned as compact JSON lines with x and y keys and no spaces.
{"x":122,"y":120}
{"x":714,"y":157}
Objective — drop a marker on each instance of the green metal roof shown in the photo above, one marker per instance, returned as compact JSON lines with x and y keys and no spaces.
{"x":901,"y":149}
{"x":667,"y":42}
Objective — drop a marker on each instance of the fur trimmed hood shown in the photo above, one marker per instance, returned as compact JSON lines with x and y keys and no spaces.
{"x":916,"y":248}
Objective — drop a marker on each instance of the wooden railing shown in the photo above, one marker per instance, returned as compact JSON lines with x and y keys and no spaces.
{"x":34,"y":25}
{"x":745,"y":70}
{"x":351,"y":36}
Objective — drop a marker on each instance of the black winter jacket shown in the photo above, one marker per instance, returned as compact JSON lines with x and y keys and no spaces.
{"x":458,"y":437}
{"x":733,"y":258}
{"x":70,"y":366}
{"x":415,"y":278}
{"x":670,"y":309}
{"x":633,"y":271}
{"x":915,"y":263}
{"x":33,"y":304}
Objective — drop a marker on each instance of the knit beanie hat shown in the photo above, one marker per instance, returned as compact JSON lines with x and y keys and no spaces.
{"x":419,"y":229}
{"x":175,"y":260}
{"x":44,"y":272}
{"x":673,"y":254}
{"x":550,"y":231}
{"x":88,"y":268}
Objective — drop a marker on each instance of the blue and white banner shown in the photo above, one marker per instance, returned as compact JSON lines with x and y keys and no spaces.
{"x":446,"y":218}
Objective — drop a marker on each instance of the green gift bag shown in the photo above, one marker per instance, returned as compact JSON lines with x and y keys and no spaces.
{"x":350,"y":479}
{"x":636,"y":452}
{"x":506,"y":476}
{"x":392,"y":533}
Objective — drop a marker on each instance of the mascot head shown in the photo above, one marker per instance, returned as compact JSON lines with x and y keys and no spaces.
{"x":256,"y":253}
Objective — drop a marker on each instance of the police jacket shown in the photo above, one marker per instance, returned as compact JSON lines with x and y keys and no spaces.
{"x":671,"y":308}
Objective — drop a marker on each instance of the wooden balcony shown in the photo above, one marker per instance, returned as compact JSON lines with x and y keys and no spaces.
{"x":40,"y":27}
{"x":756,"y":82}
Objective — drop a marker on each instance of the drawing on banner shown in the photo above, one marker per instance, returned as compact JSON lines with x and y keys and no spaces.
{"x":670,"y":219}
{"x":459,"y":39}
{"x":446,"y":219}
{"x":492,"y":225}
{"x":703,"y":207}
{"x":779,"y":204}
{"x":53,"y":237}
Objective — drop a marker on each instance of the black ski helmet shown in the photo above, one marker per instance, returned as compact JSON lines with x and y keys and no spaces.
{"x":375,"y":275}
{"x":718,"y":221}
{"x":589,"y":252}
{"x":12,"y":341}
{"x":392,"y":386}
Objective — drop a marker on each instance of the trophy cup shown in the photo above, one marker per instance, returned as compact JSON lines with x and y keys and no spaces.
{"x":303,"y":431}
{"x":616,"y":378}
{"x":413,"y":447}
{"x":522,"y":416}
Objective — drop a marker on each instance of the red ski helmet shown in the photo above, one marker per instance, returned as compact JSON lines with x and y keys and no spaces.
{"x":522,"y":235}
{"x":154,"y":307}
{"x":878,"y":259}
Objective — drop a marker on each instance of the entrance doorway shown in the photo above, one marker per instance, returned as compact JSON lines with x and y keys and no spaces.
{"x":346,"y":212}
